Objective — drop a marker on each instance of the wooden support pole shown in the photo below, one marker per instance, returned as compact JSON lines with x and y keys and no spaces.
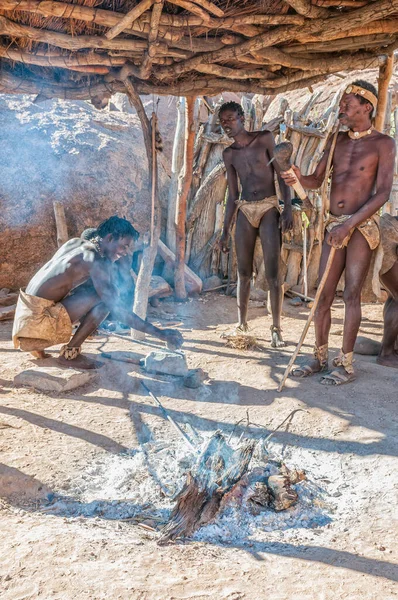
{"x":184,"y":185}
{"x":60,"y":222}
{"x":149,"y":254}
{"x":385,"y":73}
{"x":129,"y":19}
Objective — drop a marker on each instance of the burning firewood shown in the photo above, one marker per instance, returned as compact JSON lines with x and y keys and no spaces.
{"x":219,"y":467}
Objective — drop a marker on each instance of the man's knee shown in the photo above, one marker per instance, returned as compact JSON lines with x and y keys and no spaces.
{"x":352,"y":296}
{"x":245,"y":275}
{"x":324,"y":304}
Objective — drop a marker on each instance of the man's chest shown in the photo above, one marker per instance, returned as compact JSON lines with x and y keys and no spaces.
{"x":355,"y":157}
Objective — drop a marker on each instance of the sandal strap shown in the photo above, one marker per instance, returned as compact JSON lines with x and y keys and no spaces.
{"x":345,"y":361}
{"x":321,"y":354}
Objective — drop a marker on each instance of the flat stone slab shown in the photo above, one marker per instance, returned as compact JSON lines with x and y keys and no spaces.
{"x":53,"y":379}
{"x":167,"y":363}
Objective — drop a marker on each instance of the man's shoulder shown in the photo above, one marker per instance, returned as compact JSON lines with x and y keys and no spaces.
{"x":384,"y":139}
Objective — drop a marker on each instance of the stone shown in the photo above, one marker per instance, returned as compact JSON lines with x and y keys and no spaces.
{"x":195,"y":378}
{"x":7,"y":312}
{"x":53,"y":379}
{"x":211,"y":282}
{"x":4,"y":292}
{"x":168,"y":363}
{"x":367,"y":346}
{"x":295,"y":301}
{"x":258,"y":295}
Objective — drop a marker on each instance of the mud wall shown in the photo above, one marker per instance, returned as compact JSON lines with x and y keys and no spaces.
{"x":92,"y":161}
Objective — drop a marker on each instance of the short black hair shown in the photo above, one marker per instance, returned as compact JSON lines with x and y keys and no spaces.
{"x":232,"y":106}
{"x":366,"y":86}
{"x":118,"y":227}
{"x":89,"y":234}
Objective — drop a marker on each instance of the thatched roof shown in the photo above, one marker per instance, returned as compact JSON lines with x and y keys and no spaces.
{"x":83,"y":49}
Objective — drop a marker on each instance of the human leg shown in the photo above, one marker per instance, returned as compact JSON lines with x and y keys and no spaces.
{"x":322,"y":317}
{"x":84,"y":306}
{"x":358,"y":257}
{"x":270,"y":235}
{"x":389,"y":348}
{"x":245,"y":241}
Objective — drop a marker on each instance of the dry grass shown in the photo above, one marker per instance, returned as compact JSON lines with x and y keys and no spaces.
{"x":240,"y":341}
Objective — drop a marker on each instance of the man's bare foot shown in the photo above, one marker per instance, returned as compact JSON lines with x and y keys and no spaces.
{"x":309,"y":368}
{"x":390,"y":360}
{"x":80,"y":362}
{"x":40,"y":354}
{"x":276,"y":337}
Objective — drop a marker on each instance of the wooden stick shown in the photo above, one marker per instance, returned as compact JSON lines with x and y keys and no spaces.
{"x":310,"y":317}
{"x":182,"y":197}
{"x":129,"y":19}
{"x":60,"y":221}
{"x":385,"y":74}
{"x":153,"y":183}
{"x":171,"y":420}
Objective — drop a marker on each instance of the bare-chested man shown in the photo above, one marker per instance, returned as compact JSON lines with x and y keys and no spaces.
{"x":363,"y":167}
{"x":56,"y":298}
{"x":248,"y":159}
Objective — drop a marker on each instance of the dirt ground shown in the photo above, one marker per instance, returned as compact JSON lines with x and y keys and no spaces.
{"x":61,"y":455}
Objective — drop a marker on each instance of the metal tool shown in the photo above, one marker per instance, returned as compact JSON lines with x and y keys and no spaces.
{"x":141,"y":343}
{"x":171,"y":420}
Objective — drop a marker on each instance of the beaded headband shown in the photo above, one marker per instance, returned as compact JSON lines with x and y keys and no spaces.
{"x":356,"y":89}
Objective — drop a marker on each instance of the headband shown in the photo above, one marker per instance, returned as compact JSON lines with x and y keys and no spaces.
{"x":360,"y":91}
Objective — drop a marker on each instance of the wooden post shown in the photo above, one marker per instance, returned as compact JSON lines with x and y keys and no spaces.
{"x":385,"y":73}
{"x":149,"y":254}
{"x":60,"y":221}
{"x":176,"y":166}
{"x":184,"y":185}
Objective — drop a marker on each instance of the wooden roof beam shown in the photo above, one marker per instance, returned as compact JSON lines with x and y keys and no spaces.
{"x":152,"y":36}
{"x":332,"y":26}
{"x":305,"y":8}
{"x":69,"y":42}
{"x":129,"y":18}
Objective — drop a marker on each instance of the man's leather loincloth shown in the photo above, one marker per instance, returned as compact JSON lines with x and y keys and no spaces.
{"x":369,"y":229}
{"x":255,"y":210}
{"x":40,"y":323}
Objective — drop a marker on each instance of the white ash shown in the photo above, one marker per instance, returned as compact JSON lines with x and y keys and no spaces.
{"x":146,"y":481}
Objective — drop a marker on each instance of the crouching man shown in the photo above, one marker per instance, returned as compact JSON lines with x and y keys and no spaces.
{"x":55,"y":298}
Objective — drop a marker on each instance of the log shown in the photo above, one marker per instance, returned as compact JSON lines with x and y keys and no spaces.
{"x":129,"y":18}
{"x":218,"y":468}
{"x":152,"y":37}
{"x":184,"y":185}
{"x":385,"y":74}
{"x":193,"y":283}
{"x":60,"y":222}
{"x":305,"y":8}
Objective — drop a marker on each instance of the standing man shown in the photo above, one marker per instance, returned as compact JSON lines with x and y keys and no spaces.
{"x":363,"y":167}
{"x":249,"y":159}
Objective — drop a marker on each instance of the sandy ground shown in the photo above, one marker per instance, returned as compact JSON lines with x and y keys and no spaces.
{"x":64,"y":456}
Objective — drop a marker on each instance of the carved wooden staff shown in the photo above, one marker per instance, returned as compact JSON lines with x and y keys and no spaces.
{"x":282,"y":153}
{"x":310,"y":316}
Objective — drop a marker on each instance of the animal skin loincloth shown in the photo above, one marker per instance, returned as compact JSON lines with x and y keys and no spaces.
{"x":255,"y":210}
{"x":369,"y":229}
{"x":40,"y":323}
{"x":387,"y":252}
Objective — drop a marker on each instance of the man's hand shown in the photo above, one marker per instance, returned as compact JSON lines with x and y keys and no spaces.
{"x":337,"y":235}
{"x":172,"y":337}
{"x":223,"y":243}
{"x":288,"y":178}
{"x":287,"y":219}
